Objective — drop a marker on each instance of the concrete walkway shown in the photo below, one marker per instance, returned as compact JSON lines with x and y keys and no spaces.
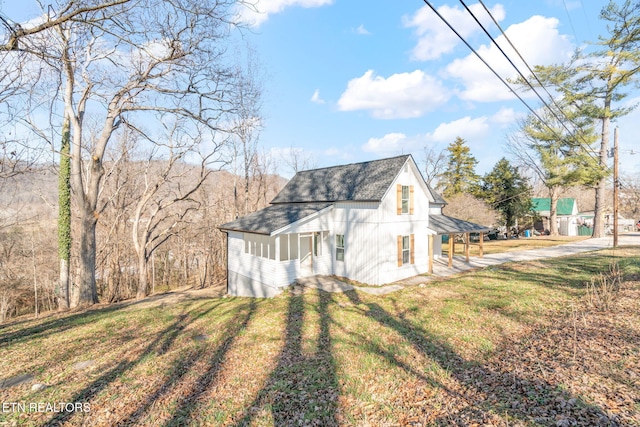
{"x":441,"y":269}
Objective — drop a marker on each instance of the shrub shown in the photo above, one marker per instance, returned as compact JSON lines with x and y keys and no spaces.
{"x":603,"y":289}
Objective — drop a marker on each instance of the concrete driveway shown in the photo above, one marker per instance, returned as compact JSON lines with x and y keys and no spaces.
{"x":441,"y":269}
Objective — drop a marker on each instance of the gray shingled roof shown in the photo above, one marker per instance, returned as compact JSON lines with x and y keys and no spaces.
{"x":367,"y":181}
{"x":274,"y":217}
{"x":443,"y":224}
{"x":437,"y":198}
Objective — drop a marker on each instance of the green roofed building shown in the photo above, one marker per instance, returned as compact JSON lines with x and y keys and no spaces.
{"x":566,"y":211}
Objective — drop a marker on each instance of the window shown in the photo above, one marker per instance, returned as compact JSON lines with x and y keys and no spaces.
{"x":406,"y":246}
{"x":406,"y":250}
{"x":260,"y":245}
{"x":293,"y":246}
{"x":339,"y":247}
{"x":405,"y":199}
{"x":288,"y":247}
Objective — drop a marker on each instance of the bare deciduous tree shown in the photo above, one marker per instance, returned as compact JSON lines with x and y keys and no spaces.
{"x":126,"y":62}
{"x":435,"y":162}
{"x":167,"y":201}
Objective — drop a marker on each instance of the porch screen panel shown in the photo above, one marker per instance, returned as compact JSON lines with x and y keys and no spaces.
{"x":272,"y":248}
{"x":284,"y":247}
{"x":293,"y":246}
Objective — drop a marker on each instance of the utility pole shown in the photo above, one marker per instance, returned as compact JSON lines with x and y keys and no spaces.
{"x":615,"y":187}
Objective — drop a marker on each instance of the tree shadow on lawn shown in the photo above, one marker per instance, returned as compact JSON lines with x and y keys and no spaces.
{"x":487,"y":393}
{"x":302,"y":388}
{"x":568,"y":274}
{"x":65,"y":321}
{"x":163,"y":341}
{"x":59,"y":324}
{"x":182,"y":365}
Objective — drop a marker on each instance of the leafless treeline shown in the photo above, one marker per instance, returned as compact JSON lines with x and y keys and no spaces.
{"x":178,"y":221}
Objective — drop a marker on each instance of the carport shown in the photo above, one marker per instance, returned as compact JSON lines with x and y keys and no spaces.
{"x":440,"y":225}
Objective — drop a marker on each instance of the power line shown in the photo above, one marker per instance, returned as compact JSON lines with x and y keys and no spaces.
{"x":585,"y":146}
{"x":495,"y":73}
{"x":570,"y":21}
{"x":528,"y":83}
{"x":446,"y":22}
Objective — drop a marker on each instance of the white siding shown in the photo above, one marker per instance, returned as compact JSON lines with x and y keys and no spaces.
{"x":393,"y":225}
{"x":321,"y":222}
{"x":248,"y":272}
{"x":359,"y":223}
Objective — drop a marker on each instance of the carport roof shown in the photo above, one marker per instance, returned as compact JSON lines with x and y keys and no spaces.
{"x":443,"y":224}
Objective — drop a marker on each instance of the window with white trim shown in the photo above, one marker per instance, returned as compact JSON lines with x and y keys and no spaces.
{"x":405,"y":199}
{"x":406,"y":249}
{"x":339,"y":247}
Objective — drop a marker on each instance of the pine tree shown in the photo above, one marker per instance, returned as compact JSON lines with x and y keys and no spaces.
{"x":558,"y":157}
{"x":595,"y":82}
{"x":508,"y":192}
{"x":460,"y":175}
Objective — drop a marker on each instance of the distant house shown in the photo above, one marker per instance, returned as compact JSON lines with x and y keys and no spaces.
{"x":373,"y":222}
{"x":566,"y":212}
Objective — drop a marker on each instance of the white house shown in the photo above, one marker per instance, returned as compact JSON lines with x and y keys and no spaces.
{"x":369,"y":222}
{"x":566,"y":214}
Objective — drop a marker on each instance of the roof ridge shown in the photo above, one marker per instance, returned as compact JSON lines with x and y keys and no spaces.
{"x":355,"y":163}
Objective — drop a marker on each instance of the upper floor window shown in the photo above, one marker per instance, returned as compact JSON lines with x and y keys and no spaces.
{"x":405,"y":199}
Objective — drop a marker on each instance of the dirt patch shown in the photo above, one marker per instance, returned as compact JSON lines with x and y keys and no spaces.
{"x":179,"y":295}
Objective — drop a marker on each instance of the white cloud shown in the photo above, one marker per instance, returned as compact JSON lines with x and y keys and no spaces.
{"x":435,"y":38}
{"x":537,"y":40}
{"x":258,"y":11}
{"x":473,"y":130}
{"x":466,"y":128}
{"x":396,"y":143}
{"x":404,"y":95}
{"x":362,"y":31}
{"x":391,"y":142}
{"x":316,"y":97}
{"x":506,"y":116}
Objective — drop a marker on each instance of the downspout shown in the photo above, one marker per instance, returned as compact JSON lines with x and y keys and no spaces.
{"x":227,"y":255}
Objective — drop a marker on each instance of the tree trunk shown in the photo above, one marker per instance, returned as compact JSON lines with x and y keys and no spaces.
{"x":143,"y":276}
{"x":598,"y":215}
{"x":64,"y":217}
{"x":87,"y":292}
{"x":553,"y":211}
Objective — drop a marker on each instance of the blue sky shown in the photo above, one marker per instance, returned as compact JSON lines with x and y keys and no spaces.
{"x":354,"y":80}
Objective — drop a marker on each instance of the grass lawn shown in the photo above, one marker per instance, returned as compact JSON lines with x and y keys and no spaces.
{"x":514,"y":345}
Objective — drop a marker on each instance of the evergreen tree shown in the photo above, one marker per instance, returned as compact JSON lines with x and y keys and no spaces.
{"x":559,"y":158}
{"x":596,"y":82}
{"x":460,"y":175}
{"x":508,"y":192}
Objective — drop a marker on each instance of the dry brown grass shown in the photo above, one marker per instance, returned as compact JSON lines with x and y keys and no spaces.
{"x":521,"y":244}
{"x":496,"y":346}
